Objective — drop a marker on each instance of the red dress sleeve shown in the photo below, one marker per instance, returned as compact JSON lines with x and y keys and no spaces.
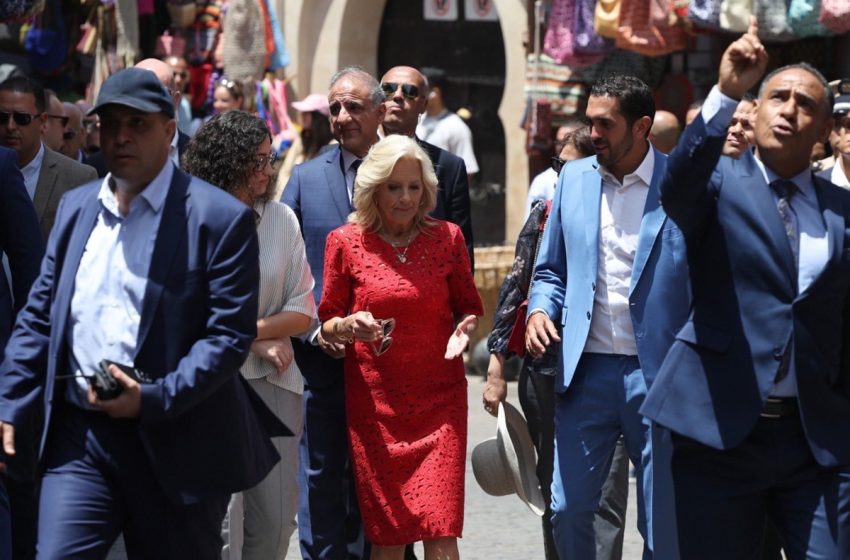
{"x":337,"y":282}
{"x":463,"y":294}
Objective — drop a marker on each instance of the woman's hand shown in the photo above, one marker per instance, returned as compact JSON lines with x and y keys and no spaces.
{"x":276,"y":351}
{"x":344,"y":330}
{"x":460,"y":337}
{"x":496,"y":389}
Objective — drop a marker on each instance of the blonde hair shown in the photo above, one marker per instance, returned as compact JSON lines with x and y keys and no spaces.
{"x":375,"y":171}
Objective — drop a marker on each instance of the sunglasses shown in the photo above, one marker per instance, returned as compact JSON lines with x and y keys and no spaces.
{"x":409,"y":91}
{"x":558,"y":164}
{"x":62,"y":119}
{"x":21,"y":118}
{"x":387,"y":327}
{"x":182,"y":74}
{"x":263,"y":160}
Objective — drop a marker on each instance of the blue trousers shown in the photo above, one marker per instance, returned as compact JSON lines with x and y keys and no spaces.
{"x":329,"y":526}
{"x":98,"y":483}
{"x":771,"y":475}
{"x":600,"y":405}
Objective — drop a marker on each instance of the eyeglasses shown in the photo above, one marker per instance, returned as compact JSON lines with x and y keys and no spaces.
{"x":409,"y":91}
{"x":63,"y":119}
{"x":387,"y":327}
{"x":182,"y":74}
{"x":558,"y":164}
{"x":69,"y":135}
{"x":21,"y":118}
{"x":263,"y":160}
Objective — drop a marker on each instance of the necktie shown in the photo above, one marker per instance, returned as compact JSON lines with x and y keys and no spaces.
{"x":355,"y":165}
{"x":785,"y":190}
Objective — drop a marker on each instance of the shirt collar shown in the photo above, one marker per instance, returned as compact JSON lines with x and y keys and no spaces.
{"x":803,"y":180}
{"x":35,"y":163}
{"x":642,"y":173}
{"x":154,"y":194}
{"x":347,"y":159}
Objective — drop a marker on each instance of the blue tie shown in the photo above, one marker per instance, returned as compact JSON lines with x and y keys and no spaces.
{"x":786,"y":190}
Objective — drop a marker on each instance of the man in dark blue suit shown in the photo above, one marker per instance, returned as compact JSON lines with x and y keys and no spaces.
{"x":156,"y":270}
{"x":406,"y":93}
{"x":756,"y":387}
{"x":319,"y":192}
{"x":21,"y":243}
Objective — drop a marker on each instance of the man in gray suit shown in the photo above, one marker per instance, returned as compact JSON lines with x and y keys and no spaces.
{"x":47,"y":174}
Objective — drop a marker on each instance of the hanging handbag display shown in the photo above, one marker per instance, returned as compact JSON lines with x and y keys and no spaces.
{"x":606,"y":18}
{"x":835,"y":15}
{"x":586,"y":40}
{"x":735,"y":15}
{"x":645,"y":28}
{"x":559,"y":40}
{"x":705,"y":13}
{"x":803,"y":18}
{"x":46,"y":42}
{"x":772,"y":17}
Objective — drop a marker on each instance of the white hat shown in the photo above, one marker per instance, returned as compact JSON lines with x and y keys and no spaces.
{"x":505,"y":464}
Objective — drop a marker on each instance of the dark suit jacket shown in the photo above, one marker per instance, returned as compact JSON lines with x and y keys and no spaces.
{"x":96,"y":159}
{"x":58,"y":175}
{"x":20,"y":240}
{"x":452,"y":192}
{"x":717,"y":375}
{"x":201,"y":433}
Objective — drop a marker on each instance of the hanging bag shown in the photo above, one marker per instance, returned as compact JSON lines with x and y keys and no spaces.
{"x":586,"y":41}
{"x":606,"y":18}
{"x":645,"y":28}
{"x":772,"y":17}
{"x":12,"y":11}
{"x":803,"y":18}
{"x":835,"y":15}
{"x":735,"y":15}
{"x":559,"y":41}
{"x":705,"y":13}
{"x":46,"y":42}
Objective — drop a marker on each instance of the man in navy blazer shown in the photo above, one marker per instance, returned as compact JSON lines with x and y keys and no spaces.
{"x":21,"y":243}
{"x":156,"y":270}
{"x":756,"y":387}
{"x":612,"y":273}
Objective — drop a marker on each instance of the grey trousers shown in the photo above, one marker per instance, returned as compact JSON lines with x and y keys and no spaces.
{"x":261,"y":520}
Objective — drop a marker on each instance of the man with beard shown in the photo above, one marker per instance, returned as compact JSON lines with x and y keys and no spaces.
{"x":612,"y":273}
{"x":740,"y":134}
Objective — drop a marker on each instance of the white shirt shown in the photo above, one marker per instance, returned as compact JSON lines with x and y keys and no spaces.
{"x":542,"y":188}
{"x":286,"y":284}
{"x":838,"y":176}
{"x":620,"y":216}
{"x":32,"y":170}
{"x":173,"y":153}
{"x":449,"y":132}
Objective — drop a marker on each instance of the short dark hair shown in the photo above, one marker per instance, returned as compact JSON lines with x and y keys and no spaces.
{"x":24,"y":84}
{"x":580,"y":139}
{"x":635,"y":97}
{"x":829,"y":95}
{"x":436,"y":77}
{"x":223,"y":152}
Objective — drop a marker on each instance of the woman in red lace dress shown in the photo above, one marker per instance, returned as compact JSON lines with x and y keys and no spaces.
{"x":399,"y":292}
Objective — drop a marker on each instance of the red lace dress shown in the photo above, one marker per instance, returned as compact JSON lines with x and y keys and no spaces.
{"x":406,"y":408}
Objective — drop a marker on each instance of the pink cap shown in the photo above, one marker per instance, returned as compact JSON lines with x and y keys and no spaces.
{"x":313,"y":102}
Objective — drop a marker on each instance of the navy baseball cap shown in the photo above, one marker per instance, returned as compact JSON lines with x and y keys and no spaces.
{"x":842,"y":98}
{"x":136,"y":88}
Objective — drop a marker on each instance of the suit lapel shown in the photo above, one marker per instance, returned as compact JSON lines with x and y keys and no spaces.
{"x":80,"y":231}
{"x":834,"y":220}
{"x":336,"y":184}
{"x":653,"y":219}
{"x":46,"y":183}
{"x":169,"y":237}
{"x":591,"y":193}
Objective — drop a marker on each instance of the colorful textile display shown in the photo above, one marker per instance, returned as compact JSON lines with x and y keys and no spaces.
{"x":645,"y":28}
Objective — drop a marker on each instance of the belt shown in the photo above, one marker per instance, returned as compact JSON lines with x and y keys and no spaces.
{"x":776,"y":407}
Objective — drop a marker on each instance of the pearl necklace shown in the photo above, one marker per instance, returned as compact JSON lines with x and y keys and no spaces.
{"x":401,"y":255}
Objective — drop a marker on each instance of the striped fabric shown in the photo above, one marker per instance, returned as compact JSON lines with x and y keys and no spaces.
{"x":286,"y":284}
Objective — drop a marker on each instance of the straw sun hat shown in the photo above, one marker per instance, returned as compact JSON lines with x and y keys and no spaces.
{"x":505,"y":464}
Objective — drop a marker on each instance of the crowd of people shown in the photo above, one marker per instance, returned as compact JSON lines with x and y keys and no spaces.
{"x":199,"y":350}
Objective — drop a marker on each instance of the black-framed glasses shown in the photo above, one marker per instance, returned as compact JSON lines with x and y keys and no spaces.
{"x":62,"y":119}
{"x":69,"y":135}
{"x":21,"y":118}
{"x":387,"y":327}
{"x":263,"y":160}
{"x":558,"y":164}
{"x":409,"y":91}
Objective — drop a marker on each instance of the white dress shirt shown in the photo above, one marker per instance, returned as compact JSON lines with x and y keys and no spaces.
{"x":620,"y":216}
{"x":838,"y":176}
{"x":717,"y":111}
{"x":542,"y":188}
{"x":32,"y":170}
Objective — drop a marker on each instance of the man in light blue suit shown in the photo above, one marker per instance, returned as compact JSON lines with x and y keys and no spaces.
{"x":612,"y":272}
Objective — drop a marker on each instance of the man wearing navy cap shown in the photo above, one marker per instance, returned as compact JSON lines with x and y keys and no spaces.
{"x":840,"y":138}
{"x":155,"y":270}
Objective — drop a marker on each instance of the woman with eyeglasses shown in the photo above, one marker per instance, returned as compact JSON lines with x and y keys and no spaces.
{"x":399,"y":295}
{"x":233,"y":151}
{"x":536,"y":385}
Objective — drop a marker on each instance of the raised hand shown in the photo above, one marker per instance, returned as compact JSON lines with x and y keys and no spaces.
{"x":743,"y":63}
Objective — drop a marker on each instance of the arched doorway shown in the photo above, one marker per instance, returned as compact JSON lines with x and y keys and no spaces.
{"x":472,"y":53}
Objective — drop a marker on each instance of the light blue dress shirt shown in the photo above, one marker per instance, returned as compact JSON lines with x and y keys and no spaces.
{"x":717,"y":111}
{"x":110,"y":284}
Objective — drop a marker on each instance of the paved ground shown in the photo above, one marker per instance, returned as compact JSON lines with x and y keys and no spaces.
{"x":495,"y":528}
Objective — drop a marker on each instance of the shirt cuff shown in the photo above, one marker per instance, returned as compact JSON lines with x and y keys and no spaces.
{"x":717,"y":111}
{"x":537,"y":310}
